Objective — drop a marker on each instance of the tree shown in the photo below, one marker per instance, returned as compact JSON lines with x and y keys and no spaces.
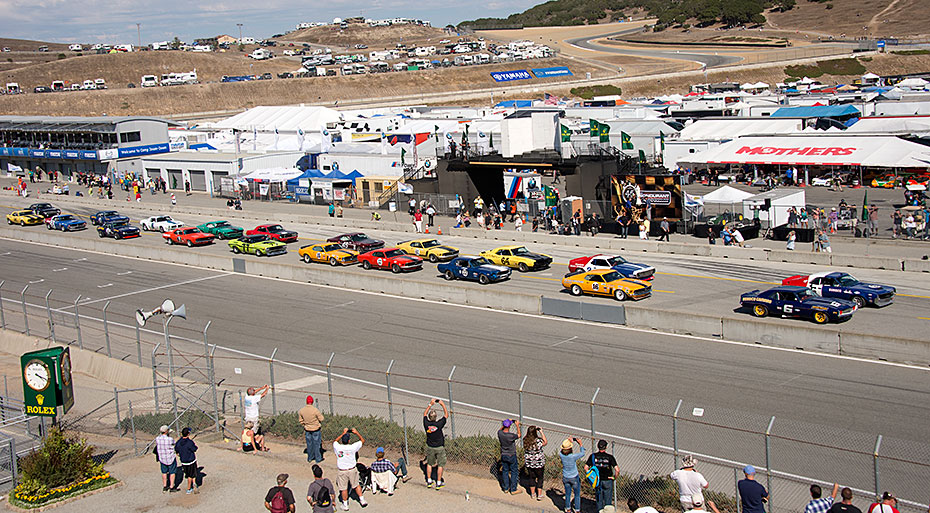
{"x":176,"y":43}
{"x":785,"y":5}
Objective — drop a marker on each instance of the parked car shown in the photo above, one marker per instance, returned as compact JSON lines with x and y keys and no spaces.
{"x":42,"y":89}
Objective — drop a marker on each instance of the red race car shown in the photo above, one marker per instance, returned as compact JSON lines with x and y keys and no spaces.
{"x":188,"y":235}
{"x":274,"y":232}
{"x":390,"y":258}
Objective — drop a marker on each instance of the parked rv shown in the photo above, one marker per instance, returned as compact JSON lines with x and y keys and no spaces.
{"x":76,"y":48}
{"x":149,"y":81}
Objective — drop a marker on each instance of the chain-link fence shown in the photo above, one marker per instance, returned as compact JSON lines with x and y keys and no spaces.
{"x":200,"y":385}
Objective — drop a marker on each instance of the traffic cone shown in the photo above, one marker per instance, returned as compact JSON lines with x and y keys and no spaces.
{"x":439,"y":230}
{"x":427,"y":229}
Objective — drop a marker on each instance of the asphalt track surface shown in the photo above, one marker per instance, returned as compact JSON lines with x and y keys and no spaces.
{"x":709,"y":60}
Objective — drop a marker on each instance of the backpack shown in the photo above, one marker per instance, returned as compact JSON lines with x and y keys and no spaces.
{"x":593,"y":475}
{"x":278,"y":505}
{"x":323,"y":498}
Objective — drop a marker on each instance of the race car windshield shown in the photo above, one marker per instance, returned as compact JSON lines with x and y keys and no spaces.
{"x":617,"y":260}
{"x":66,"y":218}
{"x":480,"y":261}
{"x":393,"y":253}
{"x":359,"y":237}
{"x":118,"y":224}
{"x":806,"y":294}
{"x":521,"y":251}
{"x":847,"y":281}
{"x":331,"y":247}
{"x":274,"y":229}
{"x":222,"y":223}
{"x":431,"y":244}
{"x":612,"y":276}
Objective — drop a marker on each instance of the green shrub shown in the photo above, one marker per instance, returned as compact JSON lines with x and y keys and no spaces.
{"x":151,"y":422}
{"x":62,"y":56}
{"x":847,"y":66}
{"x":911,"y":52}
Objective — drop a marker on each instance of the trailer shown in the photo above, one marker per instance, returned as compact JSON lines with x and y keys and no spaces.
{"x":148,"y":81}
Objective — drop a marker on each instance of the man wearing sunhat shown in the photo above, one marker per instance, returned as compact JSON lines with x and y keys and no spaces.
{"x":690,"y":482}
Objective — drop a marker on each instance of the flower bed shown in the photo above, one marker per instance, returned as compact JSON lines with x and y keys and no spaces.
{"x":25,"y":497}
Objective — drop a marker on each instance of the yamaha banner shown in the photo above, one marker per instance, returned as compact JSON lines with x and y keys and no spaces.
{"x":558,"y":71}
{"x":507,"y":76}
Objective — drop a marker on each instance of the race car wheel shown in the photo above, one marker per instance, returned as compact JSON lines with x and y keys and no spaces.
{"x":821,"y":317}
{"x":483,"y":279}
{"x":523,"y":267}
{"x":100,"y":234}
{"x":235,"y":249}
{"x":306,"y":259}
{"x":575,"y":290}
{"x":10,"y":221}
{"x":168,"y":241}
{"x":433,"y":258}
{"x":449,"y":275}
{"x":333,"y":262}
{"x":366,"y":264}
{"x":21,"y":223}
{"x":395,"y":268}
{"x":760,"y":311}
{"x":49,"y":226}
{"x":620,"y":295}
{"x":117,"y":236}
{"x":190,"y":243}
{"x":860,"y":301}
{"x":259,"y":252}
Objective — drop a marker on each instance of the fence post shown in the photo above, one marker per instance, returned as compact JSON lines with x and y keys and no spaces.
{"x":768,"y":461}
{"x":174,"y":392}
{"x":138,"y":345}
{"x":155,"y":377}
{"x":274,"y":397}
{"x":14,"y":458}
{"x":132,"y":427}
{"x":106,"y":329}
{"x":116,"y":402}
{"x":2,"y":316}
{"x":25,"y":317}
{"x":403,"y":412}
{"x":739,"y":504}
{"x":593,"y":435}
{"x":451,"y":411}
{"x":241,"y":410}
{"x":878,"y":446}
{"x":51,"y":324}
{"x":208,"y":354}
{"x":675,"y":436}
{"x":77,"y":322}
{"x":388,"y":380}
{"x":520,"y":398}
{"x":329,"y":381}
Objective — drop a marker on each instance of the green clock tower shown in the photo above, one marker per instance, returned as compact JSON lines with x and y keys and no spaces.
{"x":47,"y":381}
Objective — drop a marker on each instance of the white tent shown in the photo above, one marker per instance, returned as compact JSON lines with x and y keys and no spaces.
{"x":283,"y":118}
{"x":780,"y":200}
{"x":913,"y":84}
{"x":274,"y":174}
{"x":726,"y":194}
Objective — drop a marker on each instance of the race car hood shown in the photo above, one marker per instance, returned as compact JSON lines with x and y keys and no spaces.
{"x":406,"y":259}
{"x":870,"y":288}
{"x":70,"y":222}
{"x":228,"y":229}
{"x":630,"y":267}
{"x":445,"y":249}
{"x":494,"y":268}
{"x":343,"y":252}
{"x":268,"y":244}
{"x":125,"y":229}
{"x":841,"y":304}
{"x":286,"y":234}
{"x":110,"y":219}
{"x":369,"y":242}
{"x":534,"y":256}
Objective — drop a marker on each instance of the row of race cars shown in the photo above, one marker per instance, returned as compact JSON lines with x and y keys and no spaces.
{"x":821,"y":297}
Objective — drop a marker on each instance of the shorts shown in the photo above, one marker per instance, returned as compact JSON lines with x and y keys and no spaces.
{"x":248,"y":447}
{"x":347,"y":479}
{"x":169,"y":469}
{"x":436,"y":456}
{"x":536,"y":476}
{"x":190,"y":469}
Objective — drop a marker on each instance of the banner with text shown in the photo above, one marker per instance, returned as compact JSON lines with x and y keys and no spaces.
{"x":558,"y":71}
{"x":507,"y":76}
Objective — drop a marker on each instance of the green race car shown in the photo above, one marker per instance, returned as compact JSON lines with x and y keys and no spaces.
{"x":260,"y":245}
{"x":222,"y":229}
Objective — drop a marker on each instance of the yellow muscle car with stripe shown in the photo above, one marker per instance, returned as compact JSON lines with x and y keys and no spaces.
{"x":606,"y":282}
{"x":328,"y":252}
{"x":517,"y":257}
{"x":428,"y":248}
{"x":24,"y":217}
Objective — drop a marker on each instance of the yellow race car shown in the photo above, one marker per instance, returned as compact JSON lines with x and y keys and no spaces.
{"x":328,"y":252}
{"x":428,"y":248}
{"x":24,"y":217}
{"x":606,"y":282}
{"x":517,"y":257}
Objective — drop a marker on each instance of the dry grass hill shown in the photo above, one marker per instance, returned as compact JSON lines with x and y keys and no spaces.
{"x":28,"y":45}
{"x":362,"y":34}
{"x":855,"y":18}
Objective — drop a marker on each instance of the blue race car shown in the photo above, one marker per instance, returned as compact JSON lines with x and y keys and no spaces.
{"x":65,"y":223}
{"x":790,"y":301}
{"x":474,"y":269}
{"x":118,"y":230}
{"x":105,"y":216}
{"x":623,"y":266}
{"x":845,"y":286}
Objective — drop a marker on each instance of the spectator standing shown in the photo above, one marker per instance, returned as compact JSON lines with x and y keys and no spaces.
{"x":818,"y":503}
{"x":384,"y":474}
{"x":570,"y":478}
{"x":896,"y":224}
{"x":339,"y":210}
{"x":187,"y":187}
{"x":752,"y":495}
{"x":331,"y":209}
{"x":886,"y":505}
{"x":534,"y":459}
{"x":792,"y":217}
{"x":174,"y":200}
{"x":251,"y":404}
{"x":910,"y":227}
{"x":164,"y":450}
{"x":320,"y":494}
{"x":435,"y":442}
{"x":311,"y":419}
{"x":345,"y":463}
{"x":418,"y":220}
{"x":792,"y":238}
{"x":510,"y":468}
{"x":690,"y":482}
{"x":834,"y":218}
{"x":280,"y":498}
{"x":518,"y":223}
{"x":430,"y":212}
{"x":845,"y":505}
{"x":872,"y":227}
{"x":607,"y":469}
{"x":634,"y":506}
{"x":664,"y":228}
{"x":187,"y":453}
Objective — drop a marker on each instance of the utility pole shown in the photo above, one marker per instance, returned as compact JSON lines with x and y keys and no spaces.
{"x":240,"y":32}
{"x":139,"y":31}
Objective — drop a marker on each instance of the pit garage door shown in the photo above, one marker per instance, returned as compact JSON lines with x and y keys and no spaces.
{"x":175,"y":179}
{"x":198,"y":180}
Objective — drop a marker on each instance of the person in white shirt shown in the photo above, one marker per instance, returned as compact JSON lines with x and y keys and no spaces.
{"x":345,"y":463}
{"x":690,"y":482}
{"x":251,"y":406}
{"x":634,"y":506}
{"x":518,"y":223}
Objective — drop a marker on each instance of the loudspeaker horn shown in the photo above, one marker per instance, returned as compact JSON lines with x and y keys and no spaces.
{"x":142,"y":316}
{"x":180,"y":312}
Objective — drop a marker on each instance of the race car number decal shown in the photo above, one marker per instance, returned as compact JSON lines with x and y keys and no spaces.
{"x":380,"y":261}
{"x":505,"y":261}
{"x":788,"y":309}
{"x":319,"y":256}
{"x":416,"y":252}
{"x":594,"y":286}
{"x":464,"y":272}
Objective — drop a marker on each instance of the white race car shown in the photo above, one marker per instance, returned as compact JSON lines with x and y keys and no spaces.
{"x":820,"y":181}
{"x":160,"y":224}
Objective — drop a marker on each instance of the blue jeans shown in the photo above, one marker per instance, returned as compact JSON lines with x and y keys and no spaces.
{"x":510,"y":473}
{"x":401,"y":465}
{"x":572,"y":485}
{"x":605,"y":493}
{"x":313,"y":439}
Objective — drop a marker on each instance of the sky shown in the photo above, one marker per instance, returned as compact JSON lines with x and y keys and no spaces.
{"x":114,"y":21}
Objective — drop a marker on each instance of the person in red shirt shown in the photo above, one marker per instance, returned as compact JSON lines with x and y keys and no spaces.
{"x":887,"y":504}
{"x":418,"y":220}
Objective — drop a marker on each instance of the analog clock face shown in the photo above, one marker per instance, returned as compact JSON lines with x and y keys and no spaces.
{"x":37,"y":375}
{"x":66,"y":369}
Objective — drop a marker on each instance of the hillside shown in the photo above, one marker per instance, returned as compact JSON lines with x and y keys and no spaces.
{"x":363,"y":34}
{"x":28,"y":45}
{"x":882,"y":18}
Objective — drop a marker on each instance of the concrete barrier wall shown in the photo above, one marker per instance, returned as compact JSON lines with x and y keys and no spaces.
{"x":872,"y":262}
{"x":674,"y":322}
{"x":789,"y":333}
{"x":799,"y":257}
{"x":885,"y":348}
{"x":913,"y":265}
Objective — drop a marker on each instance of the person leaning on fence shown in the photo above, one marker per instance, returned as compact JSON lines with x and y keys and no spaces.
{"x":607,"y":469}
{"x":818,"y":503}
{"x":164,"y":453}
{"x":320,"y":494}
{"x":690,"y":482}
{"x":752,"y":495}
{"x":510,"y":467}
{"x":345,"y":463}
{"x":384,"y":473}
{"x":435,"y":442}
{"x":187,"y":454}
{"x":845,"y":505}
{"x":886,"y":505}
{"x":312,"y":421}
{"x":280,"y":498}
{"x":534,"y":459}
{"x":570,"y":478}
{"x":251,"y":404}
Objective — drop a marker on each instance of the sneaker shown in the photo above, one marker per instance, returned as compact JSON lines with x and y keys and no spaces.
{"x":515,"y":492}
{"x":361,"y":500}
{"x":189,"y":491}
{"x":390,"y":494}
{"x":429,"y":483}
{"x":345,"y":506}
{"x":165,"y":489}
{"x":405,"y":479}
{"x":174,"y":490}
{"x":196,"y":490}
{"x":440,"y":484}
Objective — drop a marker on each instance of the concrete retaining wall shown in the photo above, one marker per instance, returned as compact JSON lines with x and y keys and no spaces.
{"x":674,"y":322}
{"x":885,"y":348}
{"x":789,"y":333}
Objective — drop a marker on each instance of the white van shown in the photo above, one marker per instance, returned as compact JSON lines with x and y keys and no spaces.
{"x":76,"y":48}
{"x":13,"y":88}
{"x":88,"y":85}
{"x":360,"y":69}
{"x":261,"y":54}
{"x":100,"y":83}
{"x":58,"y":85}
{"x":348,"y":69}
{"x":148,"y":81}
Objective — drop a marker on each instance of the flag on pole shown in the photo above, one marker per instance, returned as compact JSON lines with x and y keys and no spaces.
{"x":642,"y":157}
{"x":276,"y":137}
{"x":403,"y":153}
{"x":551,"y":195}
{"x":626,"y":143}
{"x":551,"y":100}
{"x":604,"y":132}
{"x":383,"y":143}
{"x":662,"y":140}
{"x":595,"y":128}
{"x":865,"y":206}
{"x":300,"y":140}
{"x":566,"y":133}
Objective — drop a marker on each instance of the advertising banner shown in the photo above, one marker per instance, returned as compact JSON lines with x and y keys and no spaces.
{"x":507,"y":76}
{"x":557,"y":71}
{"x":149,"y":149}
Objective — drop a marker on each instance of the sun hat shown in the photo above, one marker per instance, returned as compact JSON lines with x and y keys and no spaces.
{"x":566,"y":444}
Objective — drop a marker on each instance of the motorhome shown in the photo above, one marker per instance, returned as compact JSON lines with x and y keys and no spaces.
{"x":76,"y":48}
{"x":123,"y":48}
{"x":58,"y":85}
{"x":171,"y":79}
{"x":149,"y":81}
{"x":161,"y":45}
{"x":348,"y":69}
{"x":100,"y":83}
{"x":247,"y":41}
{"x":13,"y":88}
{"x":261,"y":54}
{"x":359,"y":69}
{"x":380,"y":67}
{"x":202,"y":48}
{"x":88,"y":85}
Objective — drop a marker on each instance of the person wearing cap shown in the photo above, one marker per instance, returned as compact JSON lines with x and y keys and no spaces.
{"x":571,"y":480}
{"x":607,"y":468}
{"x":435,"y":442}
{"x":312,"y":420}
{"x":845,"y":505}
{"x":634,"y":506}
{"x":280,"y":498}
{"x":752,"y":495}
{"x":345,"y":463}
{"x":697,"y":502}
{"x":690,"y":482}
{"x":886,"y":505}
{"x":164,"y":451}
{"x":818,"y":503}
{"x":384,"y":473}
{"x":510,"y":467}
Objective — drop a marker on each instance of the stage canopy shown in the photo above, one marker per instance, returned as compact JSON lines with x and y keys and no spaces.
{"x":726,"y":194}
